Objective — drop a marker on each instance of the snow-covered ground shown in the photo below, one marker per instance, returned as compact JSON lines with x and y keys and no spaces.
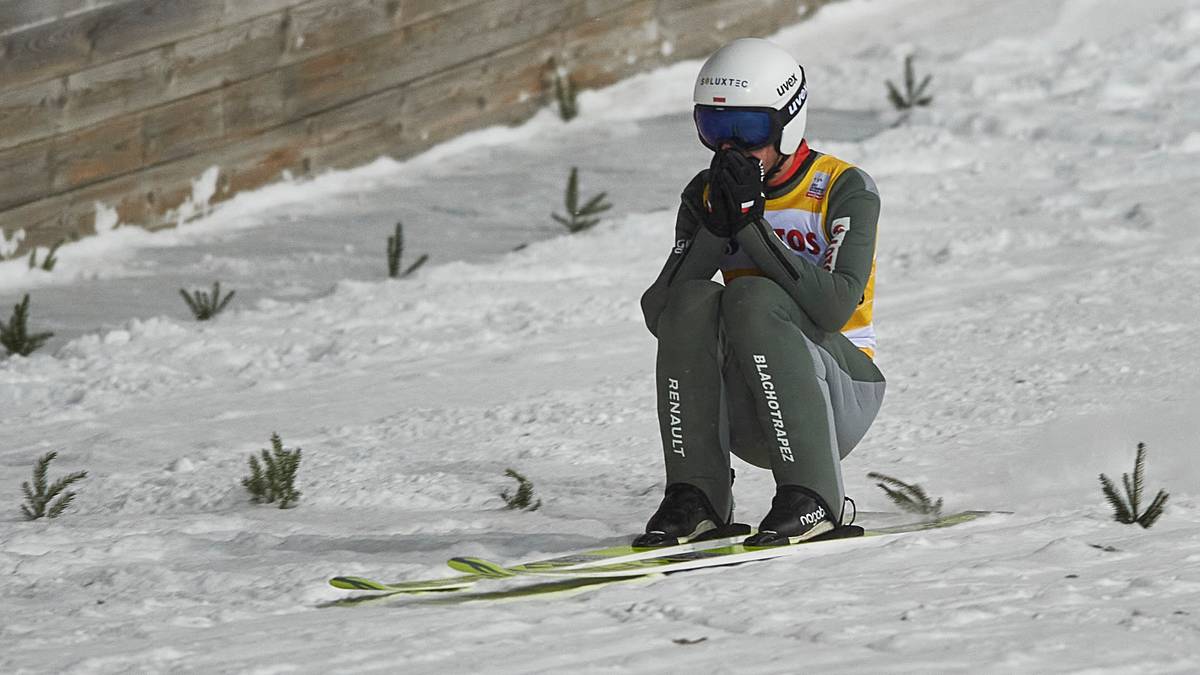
{"x":1038,"y":262}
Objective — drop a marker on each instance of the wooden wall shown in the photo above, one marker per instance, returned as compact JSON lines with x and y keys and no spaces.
{"x":126,"y":102}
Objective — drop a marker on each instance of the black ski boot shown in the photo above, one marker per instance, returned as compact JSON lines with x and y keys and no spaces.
{"x":797,"y":514}
{"x":684,"y":515}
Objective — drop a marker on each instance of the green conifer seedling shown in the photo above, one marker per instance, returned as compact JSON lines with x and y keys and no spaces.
{"x":908,"y":496}
{"x":14,"y":335}
{"x":523,"y":499}
{"x":395,"y":251}
{"x":273,"y":480}
{"x":580,"y":218}
{"x":49,"y":262}
{"x":1126,"y":510}
{"x":39,"y":495}
{"x":914,"y":94}
{"x":205,"y":306}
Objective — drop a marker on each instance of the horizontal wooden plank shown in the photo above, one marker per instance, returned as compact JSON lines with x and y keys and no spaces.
{"x":375,"y":122}
{"x":590,"y":9}
{"x":238,"y":11}
{"x":502,"y":89}
{"x":419,"y":50}
{"x":253,"y":105}
{"x":474,"y":31}
{"x":319,"y":26}
{"x":91,"y":155}
{"x":416,"y":11}
{"x":339,"y":76}
{"x":229,"y":55}
{"x":47,"y":50}
{"x":96,"y":93}
{"x":139,"y":25}
{"x":186,"y":127}
{"x":114,"y":89}
{"x":25,"y":173}
{"x":31,"y":112}
{"x":612,"y":46}
{"x":16,"y":15}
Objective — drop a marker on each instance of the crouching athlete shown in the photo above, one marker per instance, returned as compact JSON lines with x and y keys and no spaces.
{"x":776,"y":364}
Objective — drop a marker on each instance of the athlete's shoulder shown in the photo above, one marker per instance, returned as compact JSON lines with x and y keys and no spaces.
{"x":697,"y":183}
{"x":854,"y":179}
{"x":847,"y":176}
{"x":693,"y":193}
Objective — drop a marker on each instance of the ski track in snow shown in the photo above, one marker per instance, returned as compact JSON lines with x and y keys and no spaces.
{"x":1038,"y":263}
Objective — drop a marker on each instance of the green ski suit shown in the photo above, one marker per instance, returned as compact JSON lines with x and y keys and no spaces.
{"x":764,"y":366}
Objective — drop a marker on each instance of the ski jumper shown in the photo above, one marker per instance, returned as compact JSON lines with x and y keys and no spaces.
{"x":776,"y":365}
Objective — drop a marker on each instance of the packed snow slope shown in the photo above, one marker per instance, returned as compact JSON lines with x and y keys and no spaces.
{"x":1038,"y":263}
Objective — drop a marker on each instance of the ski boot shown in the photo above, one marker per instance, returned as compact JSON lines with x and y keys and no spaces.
{"x":684,"y":515}
{"x":798,"y":514}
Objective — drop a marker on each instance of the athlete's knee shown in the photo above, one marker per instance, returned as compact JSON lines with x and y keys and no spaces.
{"x":690,"y":305}
{"x":751,"y":300}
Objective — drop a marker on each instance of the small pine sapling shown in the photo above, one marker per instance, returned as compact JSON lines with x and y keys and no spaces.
{"x":910,"y":497}
{"x":39,"y":495}
{"x":14,"y":335}
{"x":580,"y":218}
{"x":566,"y":95}
{"x":914,"y":94}
{"x":205,"y":306}
{"x":395,"y":251}
{"x":1125,"y":510}
{"x":523,"y":499}
{"x":49,"y":262}
{"x":274,"y":479}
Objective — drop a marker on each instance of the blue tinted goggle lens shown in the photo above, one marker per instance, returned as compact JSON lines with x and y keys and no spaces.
{"x":750,"y":128}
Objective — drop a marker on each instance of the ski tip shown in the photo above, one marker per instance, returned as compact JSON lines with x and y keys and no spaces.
{"x":356,"y":584}
{"x":481,"y":567}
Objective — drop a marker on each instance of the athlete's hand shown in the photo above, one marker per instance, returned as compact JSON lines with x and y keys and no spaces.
{"x":735,"y":192}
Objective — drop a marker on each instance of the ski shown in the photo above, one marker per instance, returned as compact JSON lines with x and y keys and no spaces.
{"x":718,"y":538}
{"x":733,"y":554}
{"x":533,"y":588}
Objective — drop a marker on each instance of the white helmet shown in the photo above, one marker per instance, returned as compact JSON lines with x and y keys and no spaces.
{"x":753,"y":74}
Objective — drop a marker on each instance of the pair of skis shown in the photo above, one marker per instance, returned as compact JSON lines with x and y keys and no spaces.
{"x":476,"y":569}
{"x":722,"y":547}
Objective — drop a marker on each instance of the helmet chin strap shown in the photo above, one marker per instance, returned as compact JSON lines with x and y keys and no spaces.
{"x":774,"y":168}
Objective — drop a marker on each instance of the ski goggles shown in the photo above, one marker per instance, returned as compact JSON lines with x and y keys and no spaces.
{"x":747,"y":128}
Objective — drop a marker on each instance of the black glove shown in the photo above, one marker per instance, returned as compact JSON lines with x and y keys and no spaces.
{"x":735,"y":192}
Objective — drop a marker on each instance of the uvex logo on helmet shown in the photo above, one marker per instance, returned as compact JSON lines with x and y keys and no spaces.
{"x":783,"y":88}
{"x":798,"y":102}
